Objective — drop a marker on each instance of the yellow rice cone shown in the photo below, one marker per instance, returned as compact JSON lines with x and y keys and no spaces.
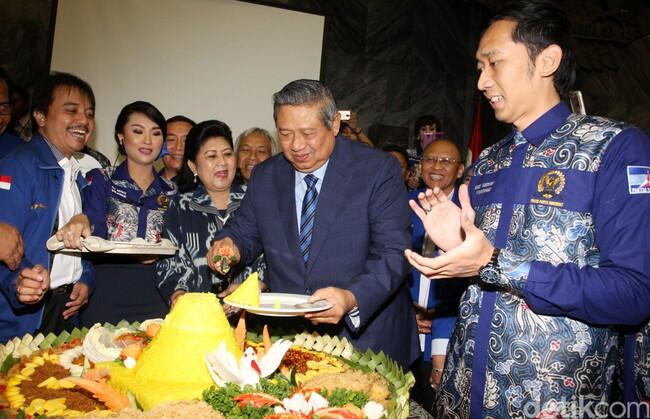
{"x":173,"y":366}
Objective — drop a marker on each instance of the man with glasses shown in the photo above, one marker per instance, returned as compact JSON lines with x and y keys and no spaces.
{"x":11,"y":243}
{"x":436,"y":302}
{"x":8,"y":141}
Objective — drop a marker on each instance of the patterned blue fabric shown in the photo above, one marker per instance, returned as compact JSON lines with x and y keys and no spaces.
{"x":634,"y":370}
{"x":191,"y":223}
{"x":641,"y":386}
{"x":120,"y":211}
{"x":558,"y":206}
{"x":307,"y":216}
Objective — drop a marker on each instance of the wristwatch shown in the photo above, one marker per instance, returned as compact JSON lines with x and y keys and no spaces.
{"x":491,"y":272}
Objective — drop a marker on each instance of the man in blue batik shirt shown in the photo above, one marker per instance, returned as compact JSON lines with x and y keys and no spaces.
{"x":553,"y":224}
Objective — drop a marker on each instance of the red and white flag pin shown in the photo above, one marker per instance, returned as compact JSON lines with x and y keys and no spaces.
{"x":5,"y":182}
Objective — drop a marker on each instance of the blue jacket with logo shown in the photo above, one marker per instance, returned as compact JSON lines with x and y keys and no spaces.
{"x":30,"y":203}
{"x":565,"y":201}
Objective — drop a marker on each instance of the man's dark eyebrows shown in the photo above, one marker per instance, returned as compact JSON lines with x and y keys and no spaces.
{"x":488,"y":53}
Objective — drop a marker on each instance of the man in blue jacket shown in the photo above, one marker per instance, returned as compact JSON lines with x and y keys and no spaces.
{"x":8,"y":141}
{"x":11,"y":244}
{"x":436,"y":302}
{"x":41,"y":191}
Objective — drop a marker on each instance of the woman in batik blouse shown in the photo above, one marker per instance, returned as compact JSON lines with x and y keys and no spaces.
{"x":124,"y":203}
{"x":207,"y":199}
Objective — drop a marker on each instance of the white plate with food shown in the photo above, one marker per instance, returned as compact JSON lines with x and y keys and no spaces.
{"x":277,"y":304}
{"x":93,"y":244}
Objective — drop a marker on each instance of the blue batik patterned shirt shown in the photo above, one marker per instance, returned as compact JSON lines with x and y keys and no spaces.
{"x":562,"y":199}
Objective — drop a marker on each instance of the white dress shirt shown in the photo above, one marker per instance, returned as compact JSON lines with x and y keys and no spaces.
{"x":66,"y":269}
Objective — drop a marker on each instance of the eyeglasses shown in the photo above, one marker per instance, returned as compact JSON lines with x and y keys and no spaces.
{"x":5,"y":108}
{"x":444,"y":161}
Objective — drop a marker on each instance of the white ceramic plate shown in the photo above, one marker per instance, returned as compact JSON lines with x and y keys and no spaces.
{"x":276,"y":304}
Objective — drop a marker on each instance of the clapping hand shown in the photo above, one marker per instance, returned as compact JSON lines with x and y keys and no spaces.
{"x":440,"y":217}
{"x":463,"y":260}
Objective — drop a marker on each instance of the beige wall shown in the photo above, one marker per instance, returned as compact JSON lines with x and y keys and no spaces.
{"x":205,"y":59}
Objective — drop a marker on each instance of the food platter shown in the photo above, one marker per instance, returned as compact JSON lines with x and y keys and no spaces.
{"x":276,"y":304}
{"x":162,"y":363}
{"x":137,"y":246}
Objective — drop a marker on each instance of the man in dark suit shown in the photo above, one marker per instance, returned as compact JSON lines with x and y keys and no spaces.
{"x":331,"y":217}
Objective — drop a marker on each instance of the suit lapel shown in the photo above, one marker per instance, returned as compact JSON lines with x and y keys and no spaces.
{"x":286,"y":194}
{"x":330,"y":198}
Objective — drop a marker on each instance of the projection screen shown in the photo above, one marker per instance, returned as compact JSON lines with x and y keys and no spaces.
{"x":205,"y":59}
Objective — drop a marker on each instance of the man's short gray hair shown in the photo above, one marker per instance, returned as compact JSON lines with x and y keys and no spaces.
{"x":261,"y":132}
{"x":307,"y":92}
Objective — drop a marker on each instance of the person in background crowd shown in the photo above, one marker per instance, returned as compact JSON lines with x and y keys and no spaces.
{"x":436,"y":302}
{"x":467,"y":176}
{"x":11,"y":243}
{"x":21,"y":120}
{"x":332,"y":218}
{"x":102,"y":161}
{"x":8,"y":140}
{"x":427,"y":129}
{"x":559,"y":247}
{"x":177,"y":128}
{"x":124,"y":203}
{"x":207,"y":199}
{"x":402,"y":157}
{"x":41,"y":187}
{"x":350,"y":129}
{"x":252,"y":147}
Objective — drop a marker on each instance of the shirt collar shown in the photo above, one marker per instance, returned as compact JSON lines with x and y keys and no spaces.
{"x":157,"y":186}
{"x":543,"y":126}
{"x":58,"y":155}
{"x":319,"y":173}
{"x":201,"y":197}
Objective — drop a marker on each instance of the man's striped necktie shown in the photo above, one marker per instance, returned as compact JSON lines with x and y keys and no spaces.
{"x":307,"y":214}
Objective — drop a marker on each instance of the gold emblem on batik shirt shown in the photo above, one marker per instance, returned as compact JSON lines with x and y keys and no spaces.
{"x":550,"y":185}
{"x":162,"y":201}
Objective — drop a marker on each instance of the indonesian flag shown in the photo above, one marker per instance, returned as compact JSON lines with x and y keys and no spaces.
{"x":5,"y":182}
{"x":476,"y":141}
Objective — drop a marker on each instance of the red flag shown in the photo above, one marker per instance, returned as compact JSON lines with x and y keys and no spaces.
{"x":476,"y":141}
{"x":5,"y":182}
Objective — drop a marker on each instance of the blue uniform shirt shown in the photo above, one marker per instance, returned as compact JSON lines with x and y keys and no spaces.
{"x":565,"y":202}
{"x":119,"y":210}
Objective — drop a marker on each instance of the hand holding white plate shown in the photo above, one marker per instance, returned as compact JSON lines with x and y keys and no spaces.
{"x":283,"y":305}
